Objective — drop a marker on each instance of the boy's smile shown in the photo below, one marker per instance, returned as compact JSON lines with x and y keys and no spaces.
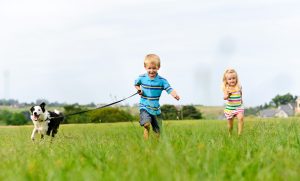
{"x":152,"y":70}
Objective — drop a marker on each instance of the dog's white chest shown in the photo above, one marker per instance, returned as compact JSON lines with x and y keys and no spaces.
{"x":41,"y":127}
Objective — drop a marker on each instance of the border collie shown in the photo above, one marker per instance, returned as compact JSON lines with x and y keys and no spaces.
{"x":45,"y":122}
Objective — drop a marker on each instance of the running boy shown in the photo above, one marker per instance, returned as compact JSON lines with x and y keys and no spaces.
{"x":150,"y":86}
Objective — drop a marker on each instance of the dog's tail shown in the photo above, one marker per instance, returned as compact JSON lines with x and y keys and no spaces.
{"x":56,"y":111}
{"x":61,"y":118}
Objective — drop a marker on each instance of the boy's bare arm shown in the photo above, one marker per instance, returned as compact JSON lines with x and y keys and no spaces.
{"x":175,"y":95}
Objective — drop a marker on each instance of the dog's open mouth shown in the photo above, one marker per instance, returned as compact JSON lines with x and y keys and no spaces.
{"x":35,"y":117}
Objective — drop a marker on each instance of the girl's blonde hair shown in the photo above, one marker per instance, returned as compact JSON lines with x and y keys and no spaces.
{"x":225,"y":85}
{"x":152,"y":58}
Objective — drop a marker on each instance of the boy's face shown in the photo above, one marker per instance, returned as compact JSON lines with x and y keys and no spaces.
{"x":231,"y":79}
{"x":151,"y":70}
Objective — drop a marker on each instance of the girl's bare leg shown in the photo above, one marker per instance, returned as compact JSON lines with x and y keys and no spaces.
{"x":240,"y":117}
{"x":230,"y":126}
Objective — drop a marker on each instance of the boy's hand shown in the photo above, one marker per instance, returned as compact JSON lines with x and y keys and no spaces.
{"x":175,"y":95}
{"x":140,"y":92}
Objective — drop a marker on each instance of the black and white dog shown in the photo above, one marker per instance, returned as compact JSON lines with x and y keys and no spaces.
{"x":45,"y":122}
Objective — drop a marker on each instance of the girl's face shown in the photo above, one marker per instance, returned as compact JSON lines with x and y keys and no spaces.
{"x":231,"y":79}
{"x":151,"y":70}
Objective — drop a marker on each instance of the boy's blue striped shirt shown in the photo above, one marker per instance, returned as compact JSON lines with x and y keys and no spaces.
{"x":152,"y":89}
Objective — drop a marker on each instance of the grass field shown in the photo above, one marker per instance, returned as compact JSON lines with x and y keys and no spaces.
{"x":211,"y":112}
{"x":187,"y":150}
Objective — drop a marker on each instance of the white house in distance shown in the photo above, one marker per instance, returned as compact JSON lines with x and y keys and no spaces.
{"x":283,"y":111}
{"x":297,"y":106}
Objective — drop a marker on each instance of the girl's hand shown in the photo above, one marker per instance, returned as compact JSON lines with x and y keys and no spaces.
{"x":227,"y":94}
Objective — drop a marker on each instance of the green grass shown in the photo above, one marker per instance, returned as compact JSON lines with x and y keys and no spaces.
{"x":187,"y":150}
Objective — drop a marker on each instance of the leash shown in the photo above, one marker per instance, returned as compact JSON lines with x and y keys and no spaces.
{"x":81,"y":112}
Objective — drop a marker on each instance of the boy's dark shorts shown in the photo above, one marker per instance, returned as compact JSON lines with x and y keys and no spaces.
{"x":145,"y":117}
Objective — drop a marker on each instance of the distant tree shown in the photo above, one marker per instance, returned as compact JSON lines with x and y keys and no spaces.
{"x":39,"y":101}
{"x":109,"y":115}
{"x":190,"y":112}
{"x":8,"y":102}
{"x":105,"y":115}
{"x":5,"y":115}
{"x":169,"y":112}
{"x":11,"y":118}
{"x":284,"y":99}
{"x":91,"y":104}
{"x":17,"y":119}
{"x":80,"y":118}
{"x":252,"y":110}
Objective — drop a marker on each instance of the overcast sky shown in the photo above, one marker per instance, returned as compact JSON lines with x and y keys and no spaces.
{"x":84,"y":51}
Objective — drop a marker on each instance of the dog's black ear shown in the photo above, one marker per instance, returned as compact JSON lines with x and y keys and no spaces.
{"x":42,"y":105}
{"x":32,"y":109}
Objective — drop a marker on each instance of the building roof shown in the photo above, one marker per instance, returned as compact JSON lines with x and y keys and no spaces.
{"x":266,"y":113}
{"x":288,"y":109}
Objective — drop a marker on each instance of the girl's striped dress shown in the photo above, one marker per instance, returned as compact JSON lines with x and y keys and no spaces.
{"x":234,"y":104}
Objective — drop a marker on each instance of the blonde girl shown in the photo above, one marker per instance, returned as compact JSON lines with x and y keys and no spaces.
{"x":232,"y":90}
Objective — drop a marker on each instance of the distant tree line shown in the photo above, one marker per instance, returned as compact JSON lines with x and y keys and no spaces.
{"x":8,"y":102}
{"x":115,"y":114}
{"x":13,"y":102}
{"x":188,"y":112}
{"x":105,"y":115}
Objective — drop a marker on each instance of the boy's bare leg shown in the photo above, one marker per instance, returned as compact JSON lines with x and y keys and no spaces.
{"x":146,"y":130}
{"x":159,"y":122}
{"x":230,"y":126}
{"x":157,"y":135}
{"x":240,"y":117}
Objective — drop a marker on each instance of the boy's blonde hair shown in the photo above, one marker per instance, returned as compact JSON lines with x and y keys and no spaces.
{"x":230,"y":71}
{"x":152,"y":59}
